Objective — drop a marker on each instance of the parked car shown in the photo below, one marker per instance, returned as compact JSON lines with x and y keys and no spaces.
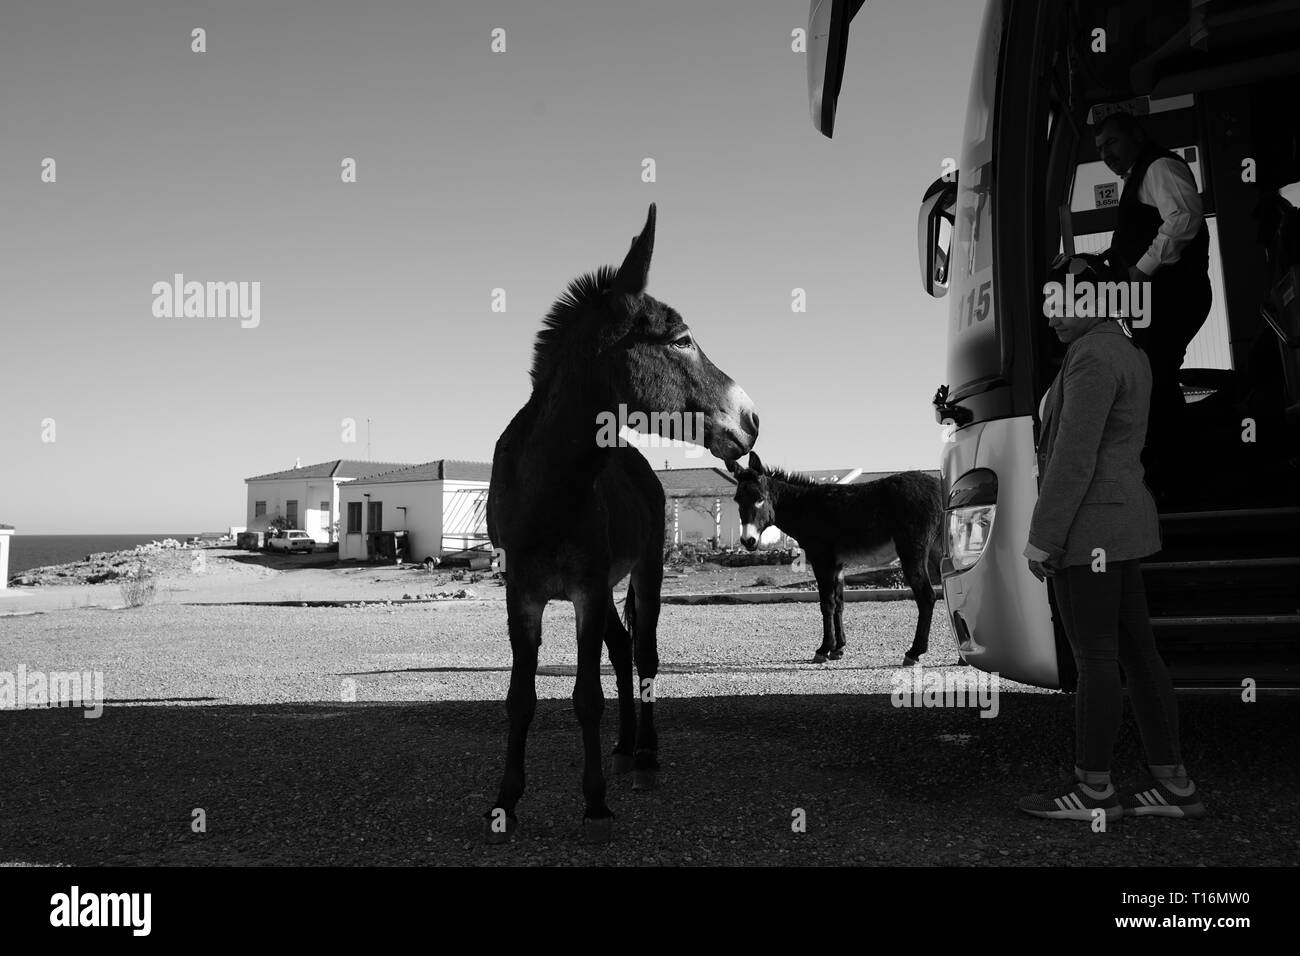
{"x":292,"y":541}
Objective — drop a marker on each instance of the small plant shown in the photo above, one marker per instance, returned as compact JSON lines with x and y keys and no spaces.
{"x":139,"y":586}
{"x":765,"y":581}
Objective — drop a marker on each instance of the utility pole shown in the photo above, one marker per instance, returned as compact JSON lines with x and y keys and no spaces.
{"x":367,"y":439}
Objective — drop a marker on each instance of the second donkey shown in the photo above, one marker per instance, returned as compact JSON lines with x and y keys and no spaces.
{"x":898,"y":516}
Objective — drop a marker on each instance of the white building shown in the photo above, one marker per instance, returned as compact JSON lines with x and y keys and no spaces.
{"x":307,"y":496}
{"x":5,"y":531}
{"x":441,"y":505}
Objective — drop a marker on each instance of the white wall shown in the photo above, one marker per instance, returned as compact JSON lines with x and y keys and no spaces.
{"x":422,"y":518}
{"x":309,"y":493}
{"x":4,"y":557}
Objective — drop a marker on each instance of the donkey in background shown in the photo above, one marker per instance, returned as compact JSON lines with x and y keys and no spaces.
{"x":898,"y":516}
{"x":576,"y":513}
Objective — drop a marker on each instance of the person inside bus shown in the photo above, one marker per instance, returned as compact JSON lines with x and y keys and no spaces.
{"x":1161,"y":237}
{"x":1094,"y":520}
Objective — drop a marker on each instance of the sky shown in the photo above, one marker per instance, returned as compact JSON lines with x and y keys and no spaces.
{"x":475,"y":170}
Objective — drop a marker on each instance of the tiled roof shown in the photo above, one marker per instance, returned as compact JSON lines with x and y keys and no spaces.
{"x":442,"y":469}
{"x":338,"y":468}
{"x":7,"y":527}
{"x":696,"y":482}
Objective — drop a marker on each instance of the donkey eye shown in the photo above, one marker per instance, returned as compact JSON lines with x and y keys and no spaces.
{"x":683,"y":343}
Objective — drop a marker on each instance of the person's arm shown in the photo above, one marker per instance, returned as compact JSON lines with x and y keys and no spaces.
{"x":1169,"y":186}
{"x":1035,"y":554}
{"x":1087,"y":395}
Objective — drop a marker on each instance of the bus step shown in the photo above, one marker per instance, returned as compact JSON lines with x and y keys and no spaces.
{"x":1227,"y":629}
{"x":1240,"y":533}
{"x":1206,"y":588}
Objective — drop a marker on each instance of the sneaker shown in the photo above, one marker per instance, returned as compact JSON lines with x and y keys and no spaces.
{"x":1071,"y":801}
{"x":1151,"y":798}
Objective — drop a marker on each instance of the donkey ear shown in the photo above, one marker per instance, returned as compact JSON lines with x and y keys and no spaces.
{"x":634,"y":273}
{"x":756,"y":464}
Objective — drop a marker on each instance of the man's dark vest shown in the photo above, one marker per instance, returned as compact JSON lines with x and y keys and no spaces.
{"x":1139,"y":223}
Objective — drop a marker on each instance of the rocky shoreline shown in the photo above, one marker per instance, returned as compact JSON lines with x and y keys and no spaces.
{"x":165,"y":558}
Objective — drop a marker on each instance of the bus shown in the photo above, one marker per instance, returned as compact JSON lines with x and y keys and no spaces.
{"x":1219,"y":83}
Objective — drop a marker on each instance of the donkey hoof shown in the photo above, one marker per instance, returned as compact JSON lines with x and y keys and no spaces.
{"x":597,"y":829}
{"x":622,"y":763}
{"x":836,"y":654}
{"x":644,"y":779}
{"x":910,"y":661}
{"x":819,"y":658}
{"x":499,"y":827}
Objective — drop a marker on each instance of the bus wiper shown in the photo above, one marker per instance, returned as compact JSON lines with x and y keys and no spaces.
{"x":945,"y":411}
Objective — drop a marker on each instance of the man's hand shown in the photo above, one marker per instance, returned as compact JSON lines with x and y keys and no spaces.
{"x":1040,"y":570}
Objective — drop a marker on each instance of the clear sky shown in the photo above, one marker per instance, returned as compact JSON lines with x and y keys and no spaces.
{"x":475,"y":170}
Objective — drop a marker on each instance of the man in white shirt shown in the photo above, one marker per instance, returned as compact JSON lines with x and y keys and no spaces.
{"x":1161,"y":238}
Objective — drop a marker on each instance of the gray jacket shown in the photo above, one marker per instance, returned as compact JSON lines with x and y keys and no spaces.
{"x":1092,"y":493}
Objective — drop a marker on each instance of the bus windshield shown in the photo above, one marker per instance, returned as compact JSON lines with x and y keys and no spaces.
{"x":974,"y":358}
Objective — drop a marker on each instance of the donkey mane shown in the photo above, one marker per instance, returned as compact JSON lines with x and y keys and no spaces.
{"x":796,"y":478}
{"x":548,"y":351}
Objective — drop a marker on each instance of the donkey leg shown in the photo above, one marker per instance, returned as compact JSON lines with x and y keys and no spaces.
{"x":589,"y":703}
{"x":619,"y":644}
{"x":836,"y":654}
{"x":825,"y":575}
{"x":524,"y":616}
{"x":914,"y":561}
{"x":643,"y":615}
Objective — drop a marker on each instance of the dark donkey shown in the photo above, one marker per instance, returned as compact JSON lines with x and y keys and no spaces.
{"x":898,"y":516}
{"x":575,"y":512}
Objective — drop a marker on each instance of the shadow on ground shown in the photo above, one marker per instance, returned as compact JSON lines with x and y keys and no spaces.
{"x":369,"y":784}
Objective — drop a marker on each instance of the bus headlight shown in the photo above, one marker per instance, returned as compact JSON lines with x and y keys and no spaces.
{"x":968,"y":533}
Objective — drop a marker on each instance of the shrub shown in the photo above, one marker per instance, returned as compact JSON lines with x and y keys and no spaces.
{"x":138,"y":586}
{"x":764,"y":581}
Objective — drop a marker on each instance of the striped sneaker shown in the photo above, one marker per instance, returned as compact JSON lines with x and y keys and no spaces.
{"x":1072,"y":802}
{"x":1151,"y":798}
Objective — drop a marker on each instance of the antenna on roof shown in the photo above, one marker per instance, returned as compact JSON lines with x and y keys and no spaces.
{"x":367,"y":439}
{"x":297,"y":463}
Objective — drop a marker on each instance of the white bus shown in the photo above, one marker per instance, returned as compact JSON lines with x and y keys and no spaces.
{"x":1220,"y":82}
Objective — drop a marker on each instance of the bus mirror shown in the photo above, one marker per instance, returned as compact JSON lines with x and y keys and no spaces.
{"x":934,"y":230}
{"x":828,"y":42}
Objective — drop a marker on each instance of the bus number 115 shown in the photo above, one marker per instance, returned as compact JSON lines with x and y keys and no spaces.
{"x":971,"y":314}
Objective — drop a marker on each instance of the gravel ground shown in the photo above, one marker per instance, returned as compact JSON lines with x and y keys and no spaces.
{"x":238,"y":710}
{"x":407,"y":784}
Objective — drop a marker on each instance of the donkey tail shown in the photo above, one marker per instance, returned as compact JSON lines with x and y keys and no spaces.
{"x":629,"y":612}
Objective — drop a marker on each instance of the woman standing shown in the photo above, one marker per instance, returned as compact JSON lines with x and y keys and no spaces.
{"x":1094,"y":520}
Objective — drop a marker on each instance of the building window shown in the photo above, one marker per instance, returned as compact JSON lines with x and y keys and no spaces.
{"x":375,"y":517}
{"x":259,"y":509}
{"x":291,"y":512}
{"x":325,"y":511}
{"x":354,"y":517}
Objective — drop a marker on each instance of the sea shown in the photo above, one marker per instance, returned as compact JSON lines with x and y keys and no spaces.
{"x":28,"y":551}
